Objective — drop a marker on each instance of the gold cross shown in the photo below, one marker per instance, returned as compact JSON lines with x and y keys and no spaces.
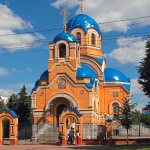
{"x":65,"y":13}
{"x":81,"y":5}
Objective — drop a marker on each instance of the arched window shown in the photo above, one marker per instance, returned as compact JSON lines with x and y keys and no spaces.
{"x":62,"y":51}
{"x":93,"y":39}
{"x":79,"y":37}
{"x":115,"y":109}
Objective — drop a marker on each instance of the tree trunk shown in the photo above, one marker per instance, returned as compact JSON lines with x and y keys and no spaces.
{"x":127,"y":136}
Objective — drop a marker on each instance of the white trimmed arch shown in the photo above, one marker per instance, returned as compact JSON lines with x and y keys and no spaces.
{"x":57,"y":48}
{"x":111,"y":106}
{"x":97,"y":37}
{"x":76,"y":30}
{"x":66,"y":96}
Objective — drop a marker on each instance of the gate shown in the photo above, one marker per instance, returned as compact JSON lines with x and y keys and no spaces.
{"x":46,"y":133}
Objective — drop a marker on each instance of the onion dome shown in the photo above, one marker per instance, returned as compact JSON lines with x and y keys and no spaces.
{"x":66,"y":37}
{"x":83,"y":21}
{"x":85,"y":72}
{"x":44,"y":75}
{"x":113,"y":75}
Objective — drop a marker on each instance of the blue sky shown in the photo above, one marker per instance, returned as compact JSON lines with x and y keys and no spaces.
{"x":23,"y":57}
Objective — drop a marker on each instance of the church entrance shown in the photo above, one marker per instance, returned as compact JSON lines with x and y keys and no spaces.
{"x":70,"y":125}
{"x":60,"y":108}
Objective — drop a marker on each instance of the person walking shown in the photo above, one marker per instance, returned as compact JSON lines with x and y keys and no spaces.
{"x":71,"y":135}
{"x":60,"y":137}
{"x":77,"y":137}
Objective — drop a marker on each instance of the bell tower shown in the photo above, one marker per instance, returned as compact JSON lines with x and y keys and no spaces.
{"x":64,"y":50}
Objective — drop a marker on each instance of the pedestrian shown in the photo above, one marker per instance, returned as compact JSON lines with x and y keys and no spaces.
{"x":77,"y":137}
{"x":60,"y":137}
{"x":71,"y":136}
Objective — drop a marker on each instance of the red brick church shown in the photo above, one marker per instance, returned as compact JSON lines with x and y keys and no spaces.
{"x":78,"y":89}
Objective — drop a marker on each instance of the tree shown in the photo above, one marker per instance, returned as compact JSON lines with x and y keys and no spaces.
{"x":13,"y":102}
{"x":2,"y":105}
{"x":136,"y":115}
{"x":144,"y":70}
{"x":145,"y":118}
{"x":24,"y":105}
{"x":126,"y":117}
{"x":21,"y":104}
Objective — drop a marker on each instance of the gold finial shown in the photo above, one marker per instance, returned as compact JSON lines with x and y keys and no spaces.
{"x":81,"y":5}
{"x":65,"y":28}
{"x":65,"y":13}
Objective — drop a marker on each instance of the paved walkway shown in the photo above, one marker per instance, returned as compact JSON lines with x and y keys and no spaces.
{"x":52,"y":147}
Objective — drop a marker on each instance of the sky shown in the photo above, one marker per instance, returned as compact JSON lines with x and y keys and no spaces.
{"x":27,"y":27}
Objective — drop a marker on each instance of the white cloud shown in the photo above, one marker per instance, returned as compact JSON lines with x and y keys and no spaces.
{"x":3,"y":71}
{"x":9,"y":22}
{"x":21,"y":70}
{"x":69,"y":3}
{"x":16,"y":70}
{"x":106,"y":10}
{"x":5,"y":93}
{"x":131,"y":50}
{"x":29,"y":69}
{"x":135,"y":86}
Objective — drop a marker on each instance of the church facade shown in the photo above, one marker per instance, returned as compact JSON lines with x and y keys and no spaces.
{"x":78,"y":90}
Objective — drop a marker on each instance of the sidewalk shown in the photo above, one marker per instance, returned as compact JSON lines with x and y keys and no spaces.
{"x":53,"y":147}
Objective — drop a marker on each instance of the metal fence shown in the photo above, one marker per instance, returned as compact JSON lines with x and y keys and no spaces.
{"x":46,"y":134}
{"x":137,"y":131}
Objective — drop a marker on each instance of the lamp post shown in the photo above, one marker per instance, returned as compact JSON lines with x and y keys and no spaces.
{"x":105,"y":116}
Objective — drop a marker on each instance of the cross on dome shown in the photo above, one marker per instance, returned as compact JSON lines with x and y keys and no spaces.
{"x":65,"y":13}
{"x":81,"y":5}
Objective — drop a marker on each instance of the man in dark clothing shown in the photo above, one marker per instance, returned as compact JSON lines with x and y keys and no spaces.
{"x":71,"y":136}
{"x":60,"y":137}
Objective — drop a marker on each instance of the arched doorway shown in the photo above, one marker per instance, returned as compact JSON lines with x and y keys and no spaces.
{"x":6,"y":131}
{"x":8,"y":127}
{"x":70,"y":124}
{"x":68,"y":120}
{"x":60,"y":108}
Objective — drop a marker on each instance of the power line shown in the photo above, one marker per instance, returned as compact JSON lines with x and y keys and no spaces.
{"x":133,"y":24}
{"x":47,"y":39}
{"x":55,"y":29}
{"x":124,"y":20}
{"x":34,"y":51}
{"x":36,"y":31}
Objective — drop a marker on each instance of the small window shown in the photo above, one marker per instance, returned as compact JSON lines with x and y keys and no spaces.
{"x":79,"y":37}
{"x":93,"y":39}
{"x":62,"y":51}
{"x":115,"y":109}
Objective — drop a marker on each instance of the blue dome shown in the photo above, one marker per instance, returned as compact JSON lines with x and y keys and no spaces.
{"x":113,"y":75}
{"x":83,"y":21}
{"x":44,"y":75}
{"x":65,"y":36}
{"x":85,"y":72}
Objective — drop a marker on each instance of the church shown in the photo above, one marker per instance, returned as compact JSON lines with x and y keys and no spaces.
{"x":77,"y":90}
